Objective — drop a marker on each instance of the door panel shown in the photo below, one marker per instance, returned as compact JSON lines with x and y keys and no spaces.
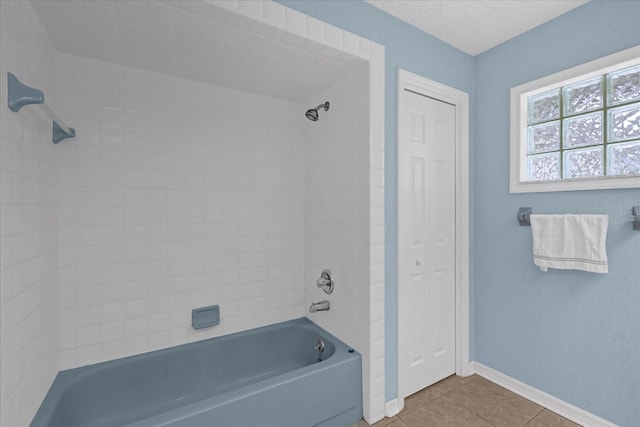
{"x":426,"y":245}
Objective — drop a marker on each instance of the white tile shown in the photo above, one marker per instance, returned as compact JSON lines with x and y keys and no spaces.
{"x":251,"y":9}
{"x":67,"y":359}
{"x":88,"y":296}
{"x":113,"y":331}
{"x":88,"y":355}
{"x":365,"y":48}
{"x":273,"y":14}
{"x":88,"y":335}
{"x":230,"y":5}
{"x":112,"y":312}
{"x":351,"y":43}
{"x":333,"y":37}
{"x":296,"y":23}
{"x":113,"y":350}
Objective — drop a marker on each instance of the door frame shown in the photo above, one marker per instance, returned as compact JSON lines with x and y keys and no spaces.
{"x":438,"y":91}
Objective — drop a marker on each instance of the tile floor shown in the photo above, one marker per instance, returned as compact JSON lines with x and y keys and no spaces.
{"x":471,"y":401}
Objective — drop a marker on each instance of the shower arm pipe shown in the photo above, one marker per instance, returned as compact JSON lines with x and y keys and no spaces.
{"x":20,"y":95}
{"x":65,"y":128}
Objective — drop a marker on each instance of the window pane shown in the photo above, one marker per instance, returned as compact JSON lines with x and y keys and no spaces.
{"x":583,"y":130}
{"x":583,"y":163}
{"x":624,"y":122}
{"x":624,"y":86}
{"x":582,"y":97}
{"x":623,"y":159}
{"x":544,"y":137}
{"x":543,"y":107}
{"x":544,"y":167}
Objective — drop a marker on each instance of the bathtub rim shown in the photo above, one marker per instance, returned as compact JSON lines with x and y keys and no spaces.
{"x":206,"y":404}
{"x":66,"y":378}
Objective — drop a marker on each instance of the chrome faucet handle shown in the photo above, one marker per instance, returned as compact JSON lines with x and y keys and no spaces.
{"x":326,"y":281}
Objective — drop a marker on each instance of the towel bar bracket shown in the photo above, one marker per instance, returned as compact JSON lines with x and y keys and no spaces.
{"x":524,"y":216}
{"x":59,"y":134}
{"x":20,"y":94}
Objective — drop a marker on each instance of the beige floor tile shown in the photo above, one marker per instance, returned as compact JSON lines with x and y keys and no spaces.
{"x":421,"y":398}
{"x":549,"y":419}
{"x":450,"y":383}
{"x":489,"y":386}
{"x":495,"y":404}
{"x":397,"y":423}
{"x":442,"y":412}
{"x":433,"y":392}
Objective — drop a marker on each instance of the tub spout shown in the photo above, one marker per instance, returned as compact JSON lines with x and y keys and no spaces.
{"x":319,"y":306}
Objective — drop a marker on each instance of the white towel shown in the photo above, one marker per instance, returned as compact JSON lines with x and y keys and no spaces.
{"x":570,"y":242}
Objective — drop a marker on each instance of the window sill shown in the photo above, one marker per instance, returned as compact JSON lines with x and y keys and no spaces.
{"x":599,"y":183}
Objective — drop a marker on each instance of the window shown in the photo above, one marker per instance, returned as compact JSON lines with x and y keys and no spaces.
{"x":578,"y":129}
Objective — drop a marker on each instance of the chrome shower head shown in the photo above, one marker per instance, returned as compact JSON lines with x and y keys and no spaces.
{"x":312,"y":114}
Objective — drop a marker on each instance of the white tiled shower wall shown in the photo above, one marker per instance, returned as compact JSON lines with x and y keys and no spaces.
{"x":174,"y":195}
{"x":338,"y":219}
{"x":28,"y":293}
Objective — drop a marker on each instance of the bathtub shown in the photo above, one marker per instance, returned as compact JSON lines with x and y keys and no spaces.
{"x":269,"y":376}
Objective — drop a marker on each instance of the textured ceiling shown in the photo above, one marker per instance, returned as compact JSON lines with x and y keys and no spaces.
{"x":474,"y":26}
{"x":196,"y":40}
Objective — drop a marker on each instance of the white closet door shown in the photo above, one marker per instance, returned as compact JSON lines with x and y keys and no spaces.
{"x":426,"y":252}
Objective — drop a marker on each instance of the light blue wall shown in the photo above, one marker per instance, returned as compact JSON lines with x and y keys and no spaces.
{"x":408,"y":48}
{"x":574,"y":335}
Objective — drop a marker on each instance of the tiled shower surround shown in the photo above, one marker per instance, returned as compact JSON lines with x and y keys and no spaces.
{"x":177,"y":194}
{"x":28,"y":295}
{"x":344,"y":219}
{"x":174,"y":195}
{"x":344,"y":222}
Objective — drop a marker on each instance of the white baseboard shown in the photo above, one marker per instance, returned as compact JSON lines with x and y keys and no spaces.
{"x":468,"y":368}
{"x":393,"y":407}
{"x":552,"y":403}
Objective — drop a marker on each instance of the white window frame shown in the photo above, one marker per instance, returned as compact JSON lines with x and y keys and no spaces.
{"x":518,"y":154}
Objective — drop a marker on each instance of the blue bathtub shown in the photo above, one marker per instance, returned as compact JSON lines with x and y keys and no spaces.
{"x":266,"y":377}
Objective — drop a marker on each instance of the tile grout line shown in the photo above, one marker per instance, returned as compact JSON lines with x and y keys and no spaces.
{"x":534,"y":417}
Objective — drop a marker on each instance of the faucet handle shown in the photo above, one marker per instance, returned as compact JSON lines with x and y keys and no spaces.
{"x":325,"y":281}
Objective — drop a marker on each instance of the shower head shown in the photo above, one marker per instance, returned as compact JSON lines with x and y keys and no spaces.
{"x":312,"y":114}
